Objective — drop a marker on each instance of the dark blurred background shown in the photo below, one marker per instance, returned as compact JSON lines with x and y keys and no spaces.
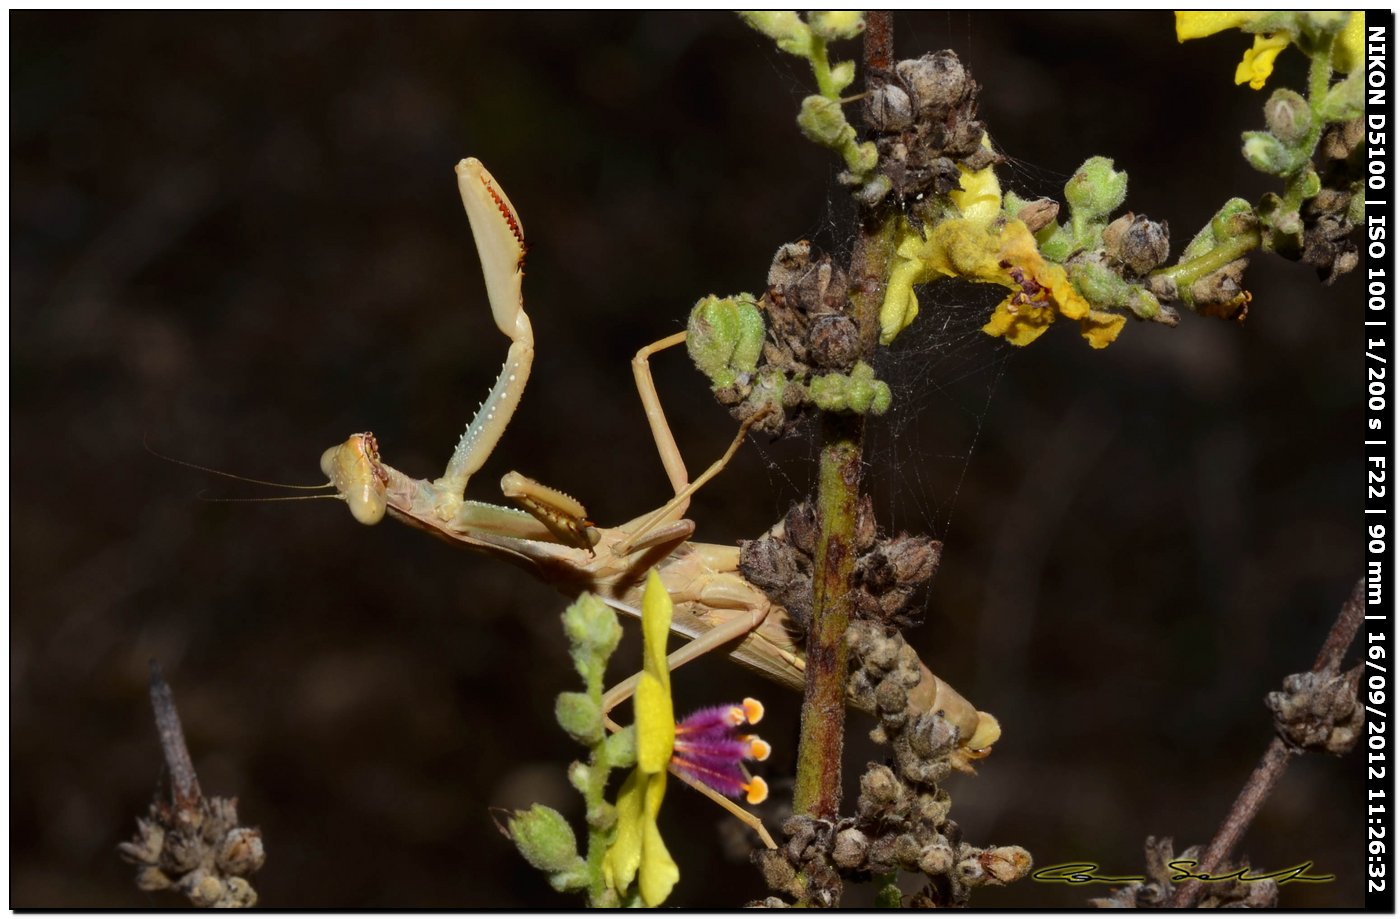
{"x":238,"y":235}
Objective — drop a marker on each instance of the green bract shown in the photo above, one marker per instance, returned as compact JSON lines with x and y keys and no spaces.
{"x":545,"y":838}
{"x":725,"y":338}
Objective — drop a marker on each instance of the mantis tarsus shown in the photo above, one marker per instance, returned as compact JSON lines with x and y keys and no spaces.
{"x":552,"y":538}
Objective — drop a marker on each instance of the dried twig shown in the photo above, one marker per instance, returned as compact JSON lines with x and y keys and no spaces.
{"x":187,"y":842}
{"x":1276,"y":758}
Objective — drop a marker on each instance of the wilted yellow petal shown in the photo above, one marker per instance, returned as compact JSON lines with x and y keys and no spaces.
{"x":1100,"y":328}
{"x":1258,"y":61}
{"x":1019,"y":324}
{"x":901,"y":304}
{"x":979,"y":198}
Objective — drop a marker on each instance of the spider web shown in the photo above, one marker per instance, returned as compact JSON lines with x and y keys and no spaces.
{"x":943,"y":372}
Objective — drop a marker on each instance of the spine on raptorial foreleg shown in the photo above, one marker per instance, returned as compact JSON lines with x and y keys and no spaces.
{"x":500,"y":243}
{"x":491,"y":418}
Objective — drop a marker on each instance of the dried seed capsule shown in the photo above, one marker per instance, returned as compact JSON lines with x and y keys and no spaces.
{"x":889,"y":109}
{"x":203,"y":889}
{"x":833,"y":342}
{"x":936,"y":81}
{"x":932,"y":809}
{"x":152,"y":878}
{"x":878,"y":788}
{"x":242,"y":851}
{"x":936,"y":858}
{"x":1005,"y":864}
{"x":907,"y":850}
{"x":180,"y":853}
{"x":1038,"y":214}
{"x":1138,"y":244}
{"x":933,"y":736}
{"x":800,"y":526}
{"x":849,"y":850}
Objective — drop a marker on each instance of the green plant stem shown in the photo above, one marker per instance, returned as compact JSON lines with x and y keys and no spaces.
{"x":1186,"y":273}
{"x":821,"y":68}
{"x":593,"y":796}
{"x":1319,"y":76}
{"x":818,"y":788}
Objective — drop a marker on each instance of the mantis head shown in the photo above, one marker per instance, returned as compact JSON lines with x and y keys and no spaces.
{"x":353,"y":468}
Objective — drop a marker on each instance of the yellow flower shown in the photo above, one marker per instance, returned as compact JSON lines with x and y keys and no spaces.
{"x":993,"y":253}
{"x":1199,"y":24}
{"x":979,"y":197}
{"x":1258,"y":61}
{"x":638,"y":851}
{"x":1349,"y":49}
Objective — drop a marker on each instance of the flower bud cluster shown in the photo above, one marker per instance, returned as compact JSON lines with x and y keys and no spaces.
{"x":1319,"y":711}
{"x":198,"y":850}
{"x":795,"y":348}
{"x":889,"y":570}
{"x":924,"y":120}
{"x":901,"y":820}
{"x":1330,"y":218}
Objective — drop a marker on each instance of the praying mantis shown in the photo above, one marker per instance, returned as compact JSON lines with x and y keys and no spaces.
{"x":552,"y":538}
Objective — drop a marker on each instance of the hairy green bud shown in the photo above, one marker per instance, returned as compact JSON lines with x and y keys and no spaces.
{"x":882,"y":399}
{"x":1288,"y":116}
{"x":748,"y":348}
{"x":1266,"y":153}
{"x":785,"y":27}
{"x":545,"y":838}
{"x":1356,"y":209}
{"x":580,"y":717}
{"x":834,"y":25}
{"x":1096,"y":189}
{"x":828,"y":392}
{"x":593,"y":632}
{"x":823,"y":122}
{"x":858,"y":391}
{"x":579,"y":773}
{"x":601,"y":817}
{"x":1310,"y":183}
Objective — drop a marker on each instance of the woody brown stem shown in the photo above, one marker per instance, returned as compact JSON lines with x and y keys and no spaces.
{"x":818,"y":789}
